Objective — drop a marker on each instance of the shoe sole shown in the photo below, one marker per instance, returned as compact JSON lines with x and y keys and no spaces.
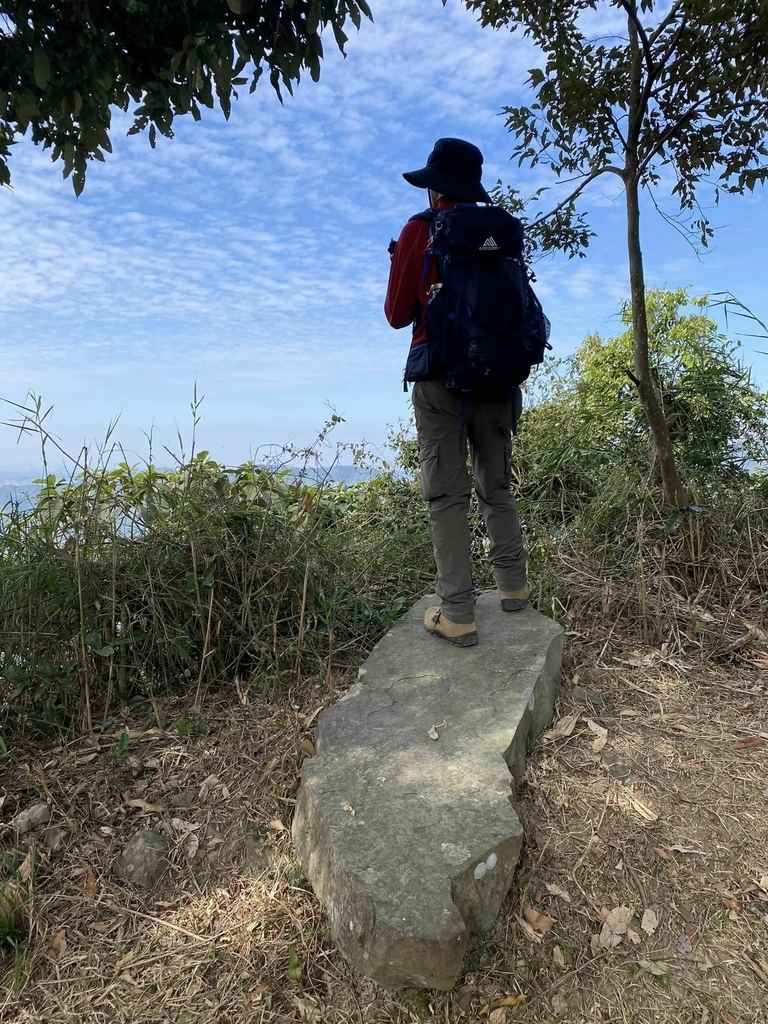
{"x":468,"y":640}
{"x":514,"y":604}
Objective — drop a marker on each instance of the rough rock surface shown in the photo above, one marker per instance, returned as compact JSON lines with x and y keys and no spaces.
{"x":31,"y":817}
{"x":144,"y":859}
{"x":411,"y":842}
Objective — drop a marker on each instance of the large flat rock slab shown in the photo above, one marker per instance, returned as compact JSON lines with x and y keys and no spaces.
{"x":410,"y":842}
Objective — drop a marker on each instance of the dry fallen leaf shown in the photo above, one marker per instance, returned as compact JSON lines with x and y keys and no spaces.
{"x":650,"y":922}
{"x":540,"y":922}
{"x":601,"y":734}
{"x":145,"y":806}
{"x":557,"y":957}
{"x":349,"y":809}
{"x":748,"y":743}
{"x":433,"y":734}
{"x":655,"y":967}
{"x":615,"y":927}
{"x":24,"y":869}
{"x":555,"y":890}
{"x":633,"y":937}
{"x":276,"y":825}
{"x":90,"y":883}
{"x":59,"y":943}
{"x":661,"y":853}
{"x":498,"y":1016}
{"x":307,"y":746}
{"x":563,"y":728}
{"x":559,"y":1005}
{"x":684,"y":945}
{"x":529,"y":931}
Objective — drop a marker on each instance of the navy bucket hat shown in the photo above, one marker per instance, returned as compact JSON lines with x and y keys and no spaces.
{"x":454,"y":169}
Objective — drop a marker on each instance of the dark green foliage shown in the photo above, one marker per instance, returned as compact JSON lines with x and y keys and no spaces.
{"x":63,"y":66}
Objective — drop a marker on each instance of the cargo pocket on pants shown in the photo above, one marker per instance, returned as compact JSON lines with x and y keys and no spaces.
{"x":429,"y":469}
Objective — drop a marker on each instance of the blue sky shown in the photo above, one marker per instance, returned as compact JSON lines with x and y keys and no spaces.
{"x":250,"y":256}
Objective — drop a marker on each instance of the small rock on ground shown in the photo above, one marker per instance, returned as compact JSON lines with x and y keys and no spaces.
{"x":144,"y":860}
{"x":31,"y":817}
{"x":54,"y":838}
{"x":586,"y":696}
{"x":615,"y":767}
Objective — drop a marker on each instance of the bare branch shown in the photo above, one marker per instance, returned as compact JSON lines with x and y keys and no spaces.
{"x":665,"y":22}
{"x":608,"y":169}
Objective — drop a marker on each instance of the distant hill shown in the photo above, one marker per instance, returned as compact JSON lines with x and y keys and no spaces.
{"x":17,"y":486}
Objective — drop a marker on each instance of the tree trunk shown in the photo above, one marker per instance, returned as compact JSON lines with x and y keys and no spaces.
{"x":674,"y":492}
{"x":650,"y":399}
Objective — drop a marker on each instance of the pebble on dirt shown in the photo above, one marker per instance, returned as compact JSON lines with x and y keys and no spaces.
{"x":144,"y":860}
{"x":31,"y":817}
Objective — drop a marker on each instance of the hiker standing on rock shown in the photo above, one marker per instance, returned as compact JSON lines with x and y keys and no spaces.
{"x":457,"y":275}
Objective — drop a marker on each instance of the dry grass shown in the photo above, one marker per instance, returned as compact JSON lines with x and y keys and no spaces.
{"x":213,"y":942}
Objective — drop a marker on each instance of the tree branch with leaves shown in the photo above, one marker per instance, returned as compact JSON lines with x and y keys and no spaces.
{"x":65,"y":66}
{"x":635,"y":88}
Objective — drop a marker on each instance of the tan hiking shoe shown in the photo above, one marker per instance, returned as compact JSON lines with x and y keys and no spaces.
{"x":515,"y":600}
{"x":460,"y":634}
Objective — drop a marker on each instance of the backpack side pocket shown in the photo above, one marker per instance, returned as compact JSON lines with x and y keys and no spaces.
{"x":417,"y":364}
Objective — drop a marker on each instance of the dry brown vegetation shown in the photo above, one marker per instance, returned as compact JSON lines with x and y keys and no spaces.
{"x":670,"y":816}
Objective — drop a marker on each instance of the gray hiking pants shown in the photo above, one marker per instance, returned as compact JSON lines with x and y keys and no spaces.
{"x":443,"y":429}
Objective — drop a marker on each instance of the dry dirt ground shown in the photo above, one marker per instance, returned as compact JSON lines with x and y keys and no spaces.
{"x":642,"y":894}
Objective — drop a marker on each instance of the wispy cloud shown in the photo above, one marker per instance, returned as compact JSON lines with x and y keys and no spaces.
{"x":251,"y":255}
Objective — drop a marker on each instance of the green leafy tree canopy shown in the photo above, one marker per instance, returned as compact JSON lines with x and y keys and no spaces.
{"x":587,"y":419}
{"x":646,"y":91}
{"x":64,"y":66}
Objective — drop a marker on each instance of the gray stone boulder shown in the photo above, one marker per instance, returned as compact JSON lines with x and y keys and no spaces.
{"x":31,"y":817}
{"x":409,"y":841}
{"x":144,"y":859}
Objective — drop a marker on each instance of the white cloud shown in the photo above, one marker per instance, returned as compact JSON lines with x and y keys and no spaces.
{"x":251,"y":254}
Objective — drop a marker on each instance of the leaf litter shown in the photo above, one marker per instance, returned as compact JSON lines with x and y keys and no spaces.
{"x":222,"y":929}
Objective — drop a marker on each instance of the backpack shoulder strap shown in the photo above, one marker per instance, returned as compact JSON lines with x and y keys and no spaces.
{"x":426,"y":215}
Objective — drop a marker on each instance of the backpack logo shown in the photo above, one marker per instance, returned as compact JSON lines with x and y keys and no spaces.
{"x":489,"y":245}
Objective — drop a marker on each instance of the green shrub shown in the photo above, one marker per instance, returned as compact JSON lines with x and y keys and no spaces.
{"x":122,"y":582}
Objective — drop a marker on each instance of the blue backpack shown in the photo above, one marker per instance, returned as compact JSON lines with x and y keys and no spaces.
{"x":485,"y":327}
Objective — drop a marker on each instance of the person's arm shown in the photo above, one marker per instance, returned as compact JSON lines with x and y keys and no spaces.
{"x":403,"y":304}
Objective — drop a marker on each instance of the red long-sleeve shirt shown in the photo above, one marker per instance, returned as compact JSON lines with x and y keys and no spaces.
{"x":407,"y":292}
